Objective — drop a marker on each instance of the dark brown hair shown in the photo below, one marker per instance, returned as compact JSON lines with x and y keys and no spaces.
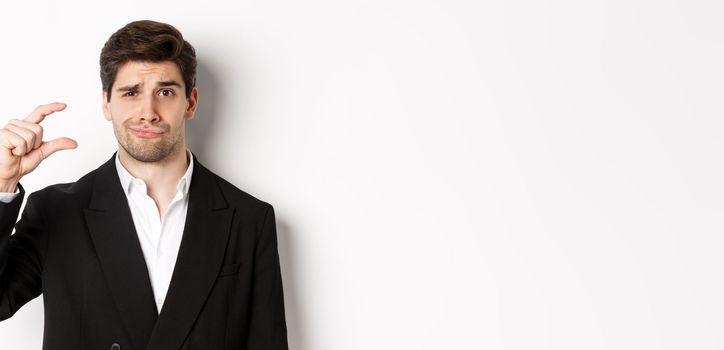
{"x":147,"y":40}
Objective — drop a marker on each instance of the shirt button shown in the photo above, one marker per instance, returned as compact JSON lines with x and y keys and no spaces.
{"x":115,"y":346}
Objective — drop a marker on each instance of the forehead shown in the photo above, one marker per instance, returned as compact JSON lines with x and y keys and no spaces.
{"x":133,"y":72}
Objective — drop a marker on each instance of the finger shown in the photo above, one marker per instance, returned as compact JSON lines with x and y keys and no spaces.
{"x":26,"y":134}
{"x":52,"y":146}
{"x":13,"y":142}
{"x":34,"y":128}
{"x":40,"y":112}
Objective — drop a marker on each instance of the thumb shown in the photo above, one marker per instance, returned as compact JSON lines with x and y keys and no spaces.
{"x":49,"y":147}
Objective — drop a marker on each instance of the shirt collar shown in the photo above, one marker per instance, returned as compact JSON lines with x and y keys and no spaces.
{"x":127,"y":179}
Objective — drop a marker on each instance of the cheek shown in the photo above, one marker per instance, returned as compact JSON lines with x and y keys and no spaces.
{"x":173,"y":108}
{"x":120,"y":122}
{"x":121,"y":108}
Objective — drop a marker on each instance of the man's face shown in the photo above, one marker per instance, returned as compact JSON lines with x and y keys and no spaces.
{"x":148,"y":109}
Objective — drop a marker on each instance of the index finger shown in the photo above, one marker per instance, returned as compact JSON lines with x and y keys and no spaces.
{"x":40,"y":112}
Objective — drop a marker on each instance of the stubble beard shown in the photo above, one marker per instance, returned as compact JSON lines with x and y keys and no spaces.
{"x":148,"y":150}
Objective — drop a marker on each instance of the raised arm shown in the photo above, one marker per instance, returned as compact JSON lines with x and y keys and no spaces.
{"x":22,"y":254}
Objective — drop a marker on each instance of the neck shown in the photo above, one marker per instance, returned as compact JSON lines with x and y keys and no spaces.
{"x":162,"y":175}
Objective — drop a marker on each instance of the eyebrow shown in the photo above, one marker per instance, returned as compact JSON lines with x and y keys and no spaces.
{"x":136,"y":86}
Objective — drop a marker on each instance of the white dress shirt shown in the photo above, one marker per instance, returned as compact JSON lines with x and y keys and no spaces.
{"x":8,"y":197}
{"x":160,"y":240}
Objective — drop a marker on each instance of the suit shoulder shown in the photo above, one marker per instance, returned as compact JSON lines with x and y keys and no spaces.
{"x":237,"y":196}
{"x":68,"y":190}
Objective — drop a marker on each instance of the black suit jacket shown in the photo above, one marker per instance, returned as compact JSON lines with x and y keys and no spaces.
{"x":76,"y":244}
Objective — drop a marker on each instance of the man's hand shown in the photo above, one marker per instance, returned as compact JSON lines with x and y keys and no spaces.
{"x":22,"y":147}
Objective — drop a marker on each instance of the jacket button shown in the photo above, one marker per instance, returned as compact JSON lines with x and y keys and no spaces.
{"x":115,"y":346}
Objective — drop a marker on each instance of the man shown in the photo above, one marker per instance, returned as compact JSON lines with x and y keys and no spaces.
{"x":151,"y":250}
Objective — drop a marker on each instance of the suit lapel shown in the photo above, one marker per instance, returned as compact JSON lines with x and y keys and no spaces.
{"x":114,"y":236}
{"x":203,"y":244}
{"x":205,"y":236}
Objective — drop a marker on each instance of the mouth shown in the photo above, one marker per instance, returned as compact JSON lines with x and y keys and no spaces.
{"x":146,"y":133}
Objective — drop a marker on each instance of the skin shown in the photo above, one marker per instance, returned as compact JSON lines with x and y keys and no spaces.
{"x":160,"y":161}
{"x":22,"y":147}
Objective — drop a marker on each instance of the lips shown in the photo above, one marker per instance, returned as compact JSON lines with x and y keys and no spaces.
{"x":146,"y":132}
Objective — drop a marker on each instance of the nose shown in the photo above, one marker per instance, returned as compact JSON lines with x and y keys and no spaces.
{"x":148,"y":108}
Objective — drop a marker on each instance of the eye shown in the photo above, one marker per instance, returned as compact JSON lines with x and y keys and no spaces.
{"x":171,"y":92}
{"x":130,"y":92}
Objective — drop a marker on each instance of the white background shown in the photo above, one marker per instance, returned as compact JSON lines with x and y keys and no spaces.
{"x":446,"y":174}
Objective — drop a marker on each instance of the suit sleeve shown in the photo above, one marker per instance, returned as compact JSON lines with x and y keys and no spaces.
{"x":21,"y":254}
{"x":267,"y":325}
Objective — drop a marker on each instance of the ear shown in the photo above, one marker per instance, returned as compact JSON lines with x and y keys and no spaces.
{"x":192,"y":102}
{"x":106,"y":107}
